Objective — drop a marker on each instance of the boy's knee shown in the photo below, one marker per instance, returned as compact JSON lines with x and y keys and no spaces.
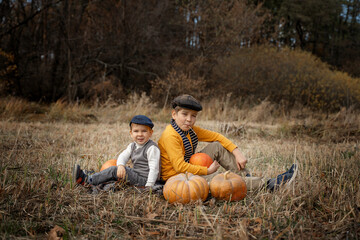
{"x":215,"y":145}
{"x":214,"y":150}
{"x":120,"y":173}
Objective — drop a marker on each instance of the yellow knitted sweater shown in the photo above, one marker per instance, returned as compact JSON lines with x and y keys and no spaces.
{"x":172,"y":151}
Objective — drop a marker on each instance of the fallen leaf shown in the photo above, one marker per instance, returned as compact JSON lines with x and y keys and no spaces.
{"x":151,"y":215}
{"x":56,"y":233}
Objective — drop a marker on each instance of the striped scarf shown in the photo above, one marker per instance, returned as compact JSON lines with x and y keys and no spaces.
{"x":189,"y":151}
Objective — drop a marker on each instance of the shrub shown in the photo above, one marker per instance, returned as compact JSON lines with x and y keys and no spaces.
{"x":175,"y":83}
{"x":284,"y":75}
{"x":8,"y":71}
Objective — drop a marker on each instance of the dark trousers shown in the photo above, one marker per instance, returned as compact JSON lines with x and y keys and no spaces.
{"x":110,"y":174}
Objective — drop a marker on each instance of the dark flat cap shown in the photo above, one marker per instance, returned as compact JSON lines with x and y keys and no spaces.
{"x":142,"y":120}
{"x":187,"y":101}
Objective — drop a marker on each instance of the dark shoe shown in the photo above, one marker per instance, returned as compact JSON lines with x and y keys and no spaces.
{"x":79,"y":176}
{"x":286,"y":177}
{"x":209,"y":197}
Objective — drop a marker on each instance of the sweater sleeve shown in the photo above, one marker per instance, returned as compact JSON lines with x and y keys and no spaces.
{"x":153,"y":155}
{"x":174,"y":149}
{"x":124,"y":156}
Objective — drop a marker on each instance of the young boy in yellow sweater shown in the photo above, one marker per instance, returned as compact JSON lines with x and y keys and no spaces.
{"x":179,"y":140}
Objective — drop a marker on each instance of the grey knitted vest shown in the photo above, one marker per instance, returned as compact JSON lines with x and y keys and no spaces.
{"x":140,"y":160}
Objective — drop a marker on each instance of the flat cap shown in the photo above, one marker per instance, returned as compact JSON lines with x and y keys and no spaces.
{"x":142,"y":120}
{"x":187,"y":101}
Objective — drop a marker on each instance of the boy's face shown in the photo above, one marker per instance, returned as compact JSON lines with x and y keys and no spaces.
{"x":140,"y":133}
{"x":184,"y":118}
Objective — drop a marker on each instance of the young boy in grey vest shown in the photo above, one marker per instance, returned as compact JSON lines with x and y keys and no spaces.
{"x":179,"y":140}
{"x":143,"y":152}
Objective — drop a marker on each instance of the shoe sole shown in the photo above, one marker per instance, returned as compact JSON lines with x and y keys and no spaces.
{"x":294,"y":175}
{"x":74,"y":173}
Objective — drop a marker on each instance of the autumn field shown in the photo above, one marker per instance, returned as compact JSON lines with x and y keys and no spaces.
{"x":39,"y":145}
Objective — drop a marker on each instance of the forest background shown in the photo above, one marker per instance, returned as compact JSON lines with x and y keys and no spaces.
{"x":279,"y":78}
{"x":287,"y":52}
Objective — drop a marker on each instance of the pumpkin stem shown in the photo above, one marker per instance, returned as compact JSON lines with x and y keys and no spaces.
{"x":187,"y":176}
{"x":226,"y":173}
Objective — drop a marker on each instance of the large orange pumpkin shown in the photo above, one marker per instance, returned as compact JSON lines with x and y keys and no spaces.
{"x":228,"y":186}
{"x":185,"y":187}
{"x":201,"y":159}
{"x":108,"y":164}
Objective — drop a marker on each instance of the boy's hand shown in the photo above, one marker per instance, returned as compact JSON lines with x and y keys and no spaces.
{"x":213,"y":167}
{"x":121,"y":172}
{"x":240,"y":159}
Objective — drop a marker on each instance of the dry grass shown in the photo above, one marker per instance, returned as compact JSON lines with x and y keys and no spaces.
{"x":36,"y":190}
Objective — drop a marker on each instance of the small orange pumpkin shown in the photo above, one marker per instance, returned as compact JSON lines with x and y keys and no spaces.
{"x":185,"y":187}
{"x":228,"y":186}
{"x":201,"y":159}
{"x":108,"y":164}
